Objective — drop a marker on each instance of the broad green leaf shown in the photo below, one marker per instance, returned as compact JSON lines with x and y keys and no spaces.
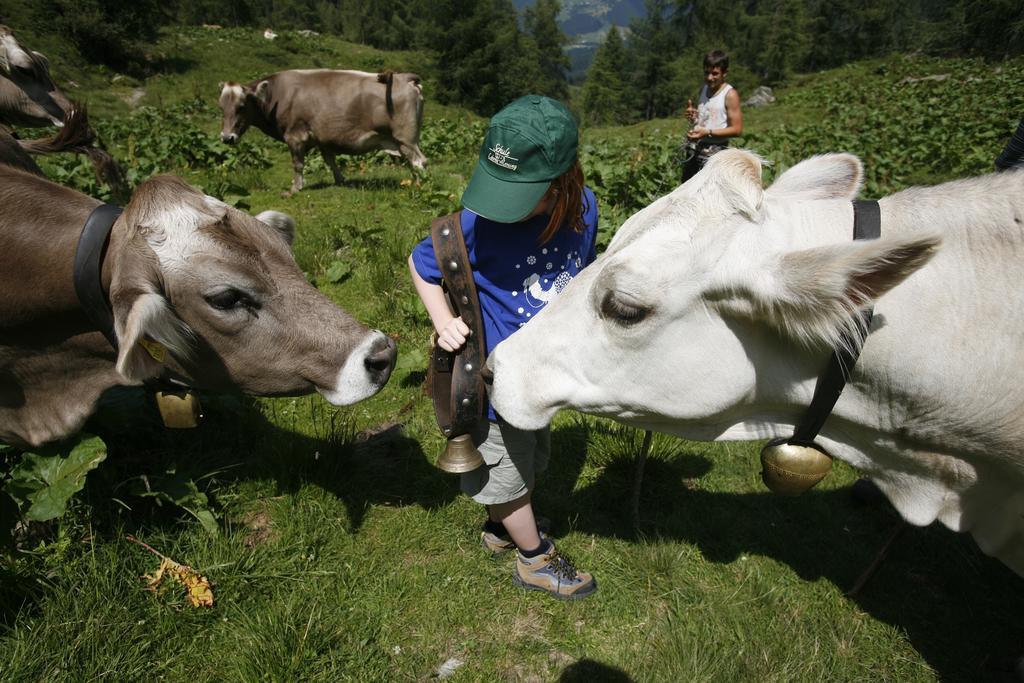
{"x":337,"y":271}
{"x":45,"y":483}
{"x":409,"y":361}
{"x":208,"y":521}
{"x":179,"y":490}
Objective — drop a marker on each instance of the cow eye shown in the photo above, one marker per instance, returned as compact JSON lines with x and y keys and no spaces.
{"x":227,"y":299}
{"x":622,"y":312}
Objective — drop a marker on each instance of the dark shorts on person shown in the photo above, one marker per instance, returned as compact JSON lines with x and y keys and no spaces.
{"x":703,"y":151}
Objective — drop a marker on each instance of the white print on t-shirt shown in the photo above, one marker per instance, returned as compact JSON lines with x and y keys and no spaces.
{"x":540,"y":288}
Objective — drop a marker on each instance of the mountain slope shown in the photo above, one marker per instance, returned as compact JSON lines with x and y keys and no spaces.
{"x":586,"y":22}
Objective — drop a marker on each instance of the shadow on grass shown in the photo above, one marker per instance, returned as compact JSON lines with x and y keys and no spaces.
{"x":360,"y":183}
{"x":959,"y":608}
{"x":172,"y":65}
{"x":586,"y":670}
{"x":240,"y":439}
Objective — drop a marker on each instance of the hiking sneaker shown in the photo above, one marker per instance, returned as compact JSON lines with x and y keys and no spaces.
{"x":499,"y":544}
{"x":553,"y":573}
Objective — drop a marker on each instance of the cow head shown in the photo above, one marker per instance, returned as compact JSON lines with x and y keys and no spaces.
{"x":221,"y":292}
{"x":28,"y":96}
{"x":712,"y":301}
{"x":241,"y":104}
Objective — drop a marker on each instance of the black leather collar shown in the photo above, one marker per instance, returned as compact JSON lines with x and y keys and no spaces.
{"x":867,"y":224}
{"x":92,"y":247}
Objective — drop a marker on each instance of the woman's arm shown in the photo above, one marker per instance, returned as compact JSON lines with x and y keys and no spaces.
{"x":451,"y":331}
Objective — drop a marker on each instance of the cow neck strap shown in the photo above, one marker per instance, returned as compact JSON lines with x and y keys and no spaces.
{"x":867,"y":224}
{"x":92,"y":247}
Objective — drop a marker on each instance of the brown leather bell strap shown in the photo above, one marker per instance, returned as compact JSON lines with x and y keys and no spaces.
{"x":456,"y":386}
{"x":867,"y":224}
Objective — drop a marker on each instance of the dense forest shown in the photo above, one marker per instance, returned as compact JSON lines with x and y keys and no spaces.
{"x":486,"y":52}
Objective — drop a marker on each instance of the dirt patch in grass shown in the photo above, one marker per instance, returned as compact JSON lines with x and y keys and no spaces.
{"x":260,"y":527}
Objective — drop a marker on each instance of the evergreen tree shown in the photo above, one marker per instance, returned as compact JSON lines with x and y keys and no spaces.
{"x":541,"y":22}
{"x":651,"y":48}
{"x":483,"y":60}
{"x":786,"y":40}
{"x":111,"y":32}
{"x":605,"y":92}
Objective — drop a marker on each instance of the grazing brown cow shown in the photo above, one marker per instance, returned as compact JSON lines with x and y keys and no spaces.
{"x":347,"y":112}
{"x":217,"y":290}
{"x":29,"y":97}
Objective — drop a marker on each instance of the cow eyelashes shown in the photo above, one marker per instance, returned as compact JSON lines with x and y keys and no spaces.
{"x":622,"y":312}
{"x":230,"y":299}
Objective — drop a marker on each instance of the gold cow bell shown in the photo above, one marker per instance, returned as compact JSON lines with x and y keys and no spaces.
{"x":790,"y":469}
{"x":179,"y":409}
{"x":460,"y":455}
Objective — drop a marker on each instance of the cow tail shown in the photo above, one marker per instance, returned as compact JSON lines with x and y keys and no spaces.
{"x":75,"y":136}
{"x":78,"y":136}
{"x":387,"y":78}
{"x":416,"y":82}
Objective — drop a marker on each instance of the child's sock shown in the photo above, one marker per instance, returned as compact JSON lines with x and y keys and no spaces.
{"x":544,"y":547}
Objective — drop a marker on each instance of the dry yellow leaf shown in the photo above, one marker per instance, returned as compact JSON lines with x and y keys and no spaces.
{"x":199,"y":592}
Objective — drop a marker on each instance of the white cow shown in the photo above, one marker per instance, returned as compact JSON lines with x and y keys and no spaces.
{"x":713,"y":311}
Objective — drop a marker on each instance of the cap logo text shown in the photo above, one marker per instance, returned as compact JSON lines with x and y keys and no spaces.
{"x":500,"y":155}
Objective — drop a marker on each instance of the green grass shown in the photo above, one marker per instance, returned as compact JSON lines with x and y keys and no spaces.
{"x":344,"y":554}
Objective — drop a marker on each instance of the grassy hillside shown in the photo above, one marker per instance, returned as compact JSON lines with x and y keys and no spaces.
{"x":342,"y":553}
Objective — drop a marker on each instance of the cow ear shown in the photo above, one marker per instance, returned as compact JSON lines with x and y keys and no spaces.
{"x":281,"y":222}
{"x":15,"y":55}
{"x":146,"y":327}
{"x":826,"y":176}
{"x":814,"y":295}
{"x":736,"y":174}
{"x":43,"y":59}
{"x":262,"y":91}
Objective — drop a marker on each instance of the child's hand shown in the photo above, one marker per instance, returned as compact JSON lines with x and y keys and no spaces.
{"x":453,"y":335}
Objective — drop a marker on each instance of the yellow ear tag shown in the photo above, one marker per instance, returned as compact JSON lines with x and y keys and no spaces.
{"x":155,"y":349}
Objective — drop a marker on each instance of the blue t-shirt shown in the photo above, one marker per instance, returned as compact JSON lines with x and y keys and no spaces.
{"x":515,"y":275}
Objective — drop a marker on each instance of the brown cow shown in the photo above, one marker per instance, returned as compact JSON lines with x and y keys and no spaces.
{"x":347,"y":112}
{"x":29,"y":97}
{"x":217,"y":288}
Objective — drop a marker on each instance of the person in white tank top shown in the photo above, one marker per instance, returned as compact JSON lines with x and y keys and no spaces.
{"x":716,"y":118}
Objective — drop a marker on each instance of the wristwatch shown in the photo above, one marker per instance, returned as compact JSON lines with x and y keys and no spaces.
{"x":709,"y":133}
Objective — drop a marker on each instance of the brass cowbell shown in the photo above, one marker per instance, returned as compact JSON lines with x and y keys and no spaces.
{"x":460,"y":455}
{"x":790,"y":469}
{"x":179,"y":409}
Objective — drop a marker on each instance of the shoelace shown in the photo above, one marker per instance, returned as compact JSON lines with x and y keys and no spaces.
{"x":561,"y":565}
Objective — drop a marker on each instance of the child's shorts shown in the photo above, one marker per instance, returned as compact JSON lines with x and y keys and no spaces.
{"x":512,"y":459}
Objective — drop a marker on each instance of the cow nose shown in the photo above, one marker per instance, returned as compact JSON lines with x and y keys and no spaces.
{"x":381,"y":358}
{"x":229,"y":138}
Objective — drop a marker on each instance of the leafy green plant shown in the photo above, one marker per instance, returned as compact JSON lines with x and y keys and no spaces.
{"x":338,"y":271}
{"x":452,"y":139}
{"x":150,"y":141}
{"x":41,"y":484}
{"x":179,"y":490}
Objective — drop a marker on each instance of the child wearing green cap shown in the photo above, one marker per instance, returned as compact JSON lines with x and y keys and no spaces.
{"x":530,"y":226}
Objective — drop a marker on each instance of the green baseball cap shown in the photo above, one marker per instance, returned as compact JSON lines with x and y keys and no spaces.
{"x":529,"y":143}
